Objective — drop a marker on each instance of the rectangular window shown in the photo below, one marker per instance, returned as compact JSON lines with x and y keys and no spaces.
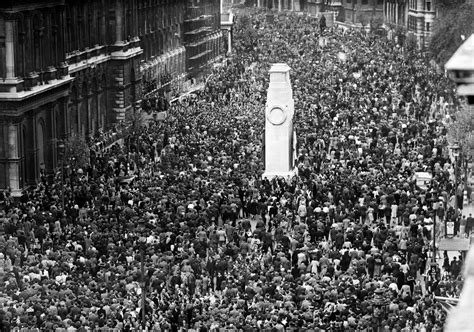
{"x":428,"y":6}
{"x":428,"y":26}
{"x":411,"y":23}
{"x":365,"y":2}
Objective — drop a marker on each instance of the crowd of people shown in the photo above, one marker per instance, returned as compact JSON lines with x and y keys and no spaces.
{"x":180,"y":219}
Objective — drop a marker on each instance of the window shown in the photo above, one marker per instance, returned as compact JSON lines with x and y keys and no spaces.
{"x":428,"y":26}
{"x":411,"y":23}
{"x":365,"y":2}
{"x":428,"y":6}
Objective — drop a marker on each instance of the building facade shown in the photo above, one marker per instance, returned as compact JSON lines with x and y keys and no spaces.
{"x":296,"y":5}
{"x":315,"y":7}
{"x":74,"y":67}
{"x":421,"y":15}
{"x":361,"y":11}
{"x":395,"y":13}
{"x":202,"y":35}
{"x":416,"y":17}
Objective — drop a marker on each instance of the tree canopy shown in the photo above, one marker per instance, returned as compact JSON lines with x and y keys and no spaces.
{"x":76,"y":152}
{"x":455,"y":19}
{"x":461,"y":130}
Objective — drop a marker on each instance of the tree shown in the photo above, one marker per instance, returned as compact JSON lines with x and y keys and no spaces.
{"x":400,"y":35}
{"x":461,"y":130}
{"x":247,"y":32}
{"x":363,"y":19}
{"x":135,"y":120}
{"x":376,"y":23}
{"x":411,"y":43}
{"x":454,"y":21}
{"x":76,"y":152}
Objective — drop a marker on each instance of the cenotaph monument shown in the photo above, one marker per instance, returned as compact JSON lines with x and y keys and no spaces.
{"x":280,"y":138}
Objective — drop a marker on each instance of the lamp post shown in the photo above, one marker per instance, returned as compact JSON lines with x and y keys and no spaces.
{"x":380,"y":307}
{"x":455,"y":150}
{"x":435,"y":210}
{"x":142,"y":244}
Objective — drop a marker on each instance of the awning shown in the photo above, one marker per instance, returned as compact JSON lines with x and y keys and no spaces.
{"x":454,"y":244}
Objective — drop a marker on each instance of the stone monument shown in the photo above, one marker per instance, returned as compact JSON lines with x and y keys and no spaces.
{"x":280,"y":138}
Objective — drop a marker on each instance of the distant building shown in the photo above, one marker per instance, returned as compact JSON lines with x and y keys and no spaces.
{"x":415,"y":16}
{"x":75,"y":67}
{"x":314,"y":7}
{"x":421,"y":15}
{"x":361,"y":11}
{"x":202,"y":34}
{"x":296,"y":5}
{"x":395,"y":13}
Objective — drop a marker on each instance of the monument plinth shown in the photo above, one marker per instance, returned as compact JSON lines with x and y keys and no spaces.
{"x":280,"y":138}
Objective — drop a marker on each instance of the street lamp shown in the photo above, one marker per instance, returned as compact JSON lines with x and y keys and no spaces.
{"x":435,"y":210}
{"x":142,"y":246}
{"x":455,"y":151}
{"x":379,"y":303}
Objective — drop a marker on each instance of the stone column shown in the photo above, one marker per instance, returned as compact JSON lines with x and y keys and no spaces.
{"x":391,"y":13}
{"x":9,"y":49}
{"x":13,"y":174}
{"x":396,"y":12}
{"x":279,"y":5}
{"x":118,"y":22}
{"x":229,"y":41}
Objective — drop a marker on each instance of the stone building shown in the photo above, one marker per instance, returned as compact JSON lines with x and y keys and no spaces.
{"x":202,"y":35}
{"x":395,"y":13}
{"x":77,"y":66}
{"x":361,"y":11}
{"x":296,"y":5}
{"x":416,"y":17}
{"x":315,"y":7}
{"x":421,"y":15}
